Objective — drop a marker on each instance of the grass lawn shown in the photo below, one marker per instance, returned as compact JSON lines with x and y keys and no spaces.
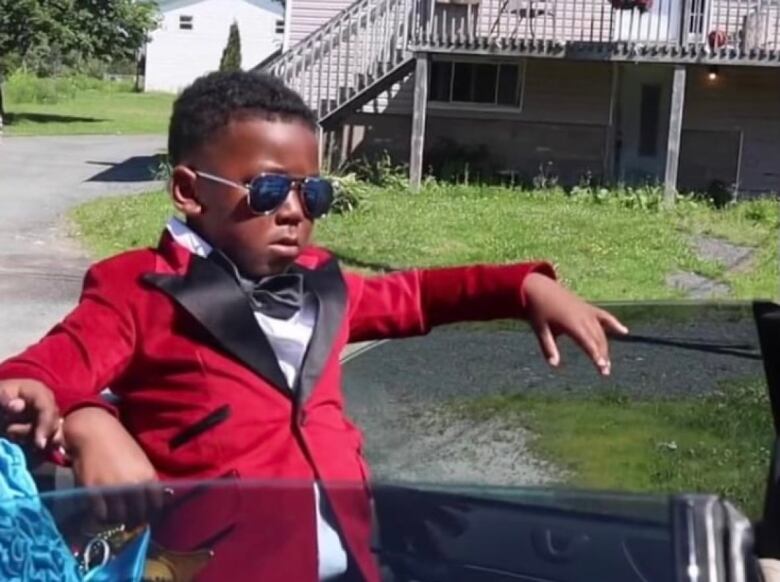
{"x":92,"y":111}
{"x":695,"y":444}
{"x":604,"y":252}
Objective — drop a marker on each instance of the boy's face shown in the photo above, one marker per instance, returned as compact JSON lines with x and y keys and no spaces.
{"x":259,"y":245}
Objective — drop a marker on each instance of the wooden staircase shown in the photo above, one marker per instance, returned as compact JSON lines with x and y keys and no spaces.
{"x":351,"y":59}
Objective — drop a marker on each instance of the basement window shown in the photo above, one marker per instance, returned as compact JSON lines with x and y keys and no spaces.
{"x":185,"y":22}
{"x":476,"y":83}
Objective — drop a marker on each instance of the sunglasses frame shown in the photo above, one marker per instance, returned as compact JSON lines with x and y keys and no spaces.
{"x":296,"y":184}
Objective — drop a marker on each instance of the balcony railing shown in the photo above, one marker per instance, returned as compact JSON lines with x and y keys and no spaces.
{"x":706,"y":30}
{"x":368,"y":45}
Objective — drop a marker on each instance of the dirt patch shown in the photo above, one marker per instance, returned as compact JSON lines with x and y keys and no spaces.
{"x":443,"y":447}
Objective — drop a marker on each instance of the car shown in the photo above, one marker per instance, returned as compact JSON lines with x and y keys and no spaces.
{"x":437,"y":524}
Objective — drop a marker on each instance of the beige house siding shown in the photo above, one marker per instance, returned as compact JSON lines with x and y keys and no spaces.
{"x":563,"y":119}
{"x":559,"y":91}
{"x":742,"y":101}
{"x":306,"y":16}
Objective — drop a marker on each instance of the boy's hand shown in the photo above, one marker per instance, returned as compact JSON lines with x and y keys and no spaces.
{"x":104,"y":454}
{"x":552,"y":310}
{"x":28,"y":409}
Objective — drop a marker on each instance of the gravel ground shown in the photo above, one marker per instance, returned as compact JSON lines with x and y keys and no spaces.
{"x":399,"y":391}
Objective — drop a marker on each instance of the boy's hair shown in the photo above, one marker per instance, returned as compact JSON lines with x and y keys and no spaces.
{"x":214,"y":100}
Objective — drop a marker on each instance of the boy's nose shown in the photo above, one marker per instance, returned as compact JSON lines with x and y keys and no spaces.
{"x":291,"y":209}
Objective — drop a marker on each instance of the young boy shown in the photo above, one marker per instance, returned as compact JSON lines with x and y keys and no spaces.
{"x":222,"y":344}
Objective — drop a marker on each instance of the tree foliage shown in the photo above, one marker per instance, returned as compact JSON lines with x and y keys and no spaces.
{"x":45,"y":36}
{"x":231,"y":56}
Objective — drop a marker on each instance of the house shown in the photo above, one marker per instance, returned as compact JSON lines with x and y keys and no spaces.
{"x":192,"y":34}
{"x":681,"y":92}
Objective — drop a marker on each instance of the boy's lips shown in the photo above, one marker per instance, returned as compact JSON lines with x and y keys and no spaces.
{"x":287,"y":241}
{"x":286,"y":246}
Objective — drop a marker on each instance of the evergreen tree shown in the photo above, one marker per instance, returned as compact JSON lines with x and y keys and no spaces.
{"x":231,"y":56}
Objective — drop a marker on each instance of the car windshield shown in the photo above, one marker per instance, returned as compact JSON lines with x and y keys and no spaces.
{"x":446,"y":531}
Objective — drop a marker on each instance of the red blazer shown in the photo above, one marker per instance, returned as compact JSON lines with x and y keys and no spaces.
{"x":200,"y":388}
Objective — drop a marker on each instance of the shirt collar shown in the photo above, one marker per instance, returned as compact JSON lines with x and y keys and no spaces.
{"x":184,"y":236}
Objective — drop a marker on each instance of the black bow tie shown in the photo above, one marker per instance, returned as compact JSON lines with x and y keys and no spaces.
{"x":278,"y":296}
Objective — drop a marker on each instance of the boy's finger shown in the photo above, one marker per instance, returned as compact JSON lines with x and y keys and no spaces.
{"x":137,"y":506}
{"x":47,"y":425}
{"x":58,"y":440}
{"x":8,"y":393}
{"x":99,"y":507}
{"x":611,"y":323}
{"x":547,"y":343}
{"x":18,"y":431}
{"x":155,"y":495}
{"x":589,"y":344}
{"x":15,"y":406}
{"x":116,"y":506}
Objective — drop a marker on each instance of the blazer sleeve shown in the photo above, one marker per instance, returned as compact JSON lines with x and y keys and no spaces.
{"x":88,"y":350}
{"x":412,"y":302}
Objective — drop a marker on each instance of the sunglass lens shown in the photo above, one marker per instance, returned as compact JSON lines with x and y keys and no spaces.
{"x":318,"y":196}
{"x":267,"y":193}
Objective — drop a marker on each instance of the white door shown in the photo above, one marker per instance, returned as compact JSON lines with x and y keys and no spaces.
{"x":660,"y":24}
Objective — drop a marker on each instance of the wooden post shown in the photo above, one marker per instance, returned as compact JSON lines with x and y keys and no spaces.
{"x":675,"y":131}
{"x":611,"y":135}
{"x":321,"y":146}
{"x":419,"y":114}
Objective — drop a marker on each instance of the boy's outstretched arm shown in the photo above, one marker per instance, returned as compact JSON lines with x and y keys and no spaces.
{"x":412,"y":302}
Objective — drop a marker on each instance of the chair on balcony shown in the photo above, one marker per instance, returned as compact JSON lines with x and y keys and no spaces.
{"x":525,"y":10}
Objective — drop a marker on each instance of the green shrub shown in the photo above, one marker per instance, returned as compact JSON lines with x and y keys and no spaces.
{"x":350,"y":193}
{"x":379,"y":171}
{"x":24,"y":87}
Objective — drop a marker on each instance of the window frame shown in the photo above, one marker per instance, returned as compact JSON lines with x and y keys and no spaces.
{"x":519,"y":64}
{"x":186,"y":22}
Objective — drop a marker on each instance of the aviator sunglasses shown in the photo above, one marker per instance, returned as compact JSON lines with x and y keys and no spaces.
{"x":267,"y":192}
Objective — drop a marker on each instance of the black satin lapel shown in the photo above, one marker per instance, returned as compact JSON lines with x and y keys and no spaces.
{"x":214,"y":299}
{"x":327,"y":285}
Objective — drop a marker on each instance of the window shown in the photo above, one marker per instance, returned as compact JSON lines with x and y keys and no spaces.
{"x":185,"y":22}
{"x":649,"y":118}
{"x":279,"y":28}
{"x":698,"y":16}
{"x":480,"y":83}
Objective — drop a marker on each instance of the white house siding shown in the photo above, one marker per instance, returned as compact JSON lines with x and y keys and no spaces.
{"x":177,"y":57}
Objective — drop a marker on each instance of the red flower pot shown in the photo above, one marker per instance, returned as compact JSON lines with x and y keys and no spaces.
{"x":717,"y":39}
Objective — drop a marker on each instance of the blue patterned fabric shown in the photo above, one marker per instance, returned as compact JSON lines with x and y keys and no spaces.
{"x":31,"y":547}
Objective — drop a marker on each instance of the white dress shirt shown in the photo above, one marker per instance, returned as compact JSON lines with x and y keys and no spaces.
{"x":289,"y":339}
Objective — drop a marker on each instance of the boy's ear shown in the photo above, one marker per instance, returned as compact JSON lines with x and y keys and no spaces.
{"x":183,"y":191}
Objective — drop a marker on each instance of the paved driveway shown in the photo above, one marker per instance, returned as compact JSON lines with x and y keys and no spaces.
{"x":40,"y":179}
